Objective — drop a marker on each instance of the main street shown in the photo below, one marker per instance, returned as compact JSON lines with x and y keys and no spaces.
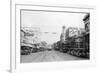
{"x":48,"y":56}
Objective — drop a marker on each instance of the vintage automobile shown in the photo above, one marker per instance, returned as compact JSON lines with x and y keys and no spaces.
{"x":80,"y":52}
{"x":25,"y":50}
{"x":34,"y":48}
{"x":40,"y":49}
{"x":79,"y":49}
{"x":75,"y":46}
{"x":48,"y":48}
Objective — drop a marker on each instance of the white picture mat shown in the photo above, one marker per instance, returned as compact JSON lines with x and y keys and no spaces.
{"x":48,"y":65}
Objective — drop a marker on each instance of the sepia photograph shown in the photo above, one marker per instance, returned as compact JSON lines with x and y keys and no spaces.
{"x":53,"y":36}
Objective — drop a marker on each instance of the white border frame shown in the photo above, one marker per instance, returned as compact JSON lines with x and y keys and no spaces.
{"x":15,"y":37}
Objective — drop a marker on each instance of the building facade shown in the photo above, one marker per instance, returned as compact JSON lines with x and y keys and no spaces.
{"x":30,"y":36}
{"x":86,"y":20}
{"x":87,"y":23}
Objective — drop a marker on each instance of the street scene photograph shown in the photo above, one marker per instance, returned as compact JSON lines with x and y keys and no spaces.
{"x":53,"y":36}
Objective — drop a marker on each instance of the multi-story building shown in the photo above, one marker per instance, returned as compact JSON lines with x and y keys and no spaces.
{"x":86,"y":20}
{"x":30,"y":35}
{"x":74,"y":34}
{"x":87,"y":23}
{"x":22,"y":36}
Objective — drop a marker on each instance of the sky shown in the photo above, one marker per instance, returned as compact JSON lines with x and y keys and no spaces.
{"x":51,"y":22}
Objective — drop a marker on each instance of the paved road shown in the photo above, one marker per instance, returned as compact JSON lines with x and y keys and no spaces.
{"x":47,"y":56}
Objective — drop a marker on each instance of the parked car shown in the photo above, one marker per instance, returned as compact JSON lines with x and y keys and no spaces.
{"x":25,"y":50}
{"x":49,"y":49}
{"x":34,"y":49}
{"x":41,"y":49}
